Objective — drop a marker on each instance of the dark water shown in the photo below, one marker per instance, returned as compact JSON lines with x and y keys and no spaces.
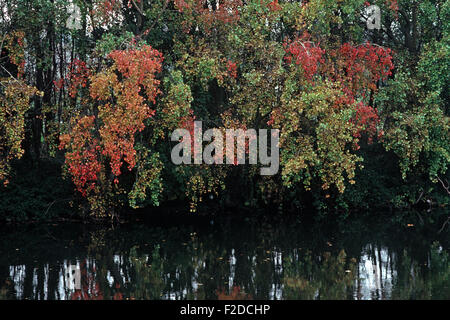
{"x":230,"y":259}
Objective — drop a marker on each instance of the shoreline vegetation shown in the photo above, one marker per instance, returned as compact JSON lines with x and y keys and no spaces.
{"x":51,"y":199}
{"x":91,"y":91}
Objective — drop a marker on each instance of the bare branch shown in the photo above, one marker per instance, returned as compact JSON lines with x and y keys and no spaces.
{"x":447,"y":188}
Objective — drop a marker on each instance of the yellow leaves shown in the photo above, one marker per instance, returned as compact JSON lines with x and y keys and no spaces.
{"x":315,"y":137}
{"x":13,"y":105}
{"x":15,"y":44}
{"x":204,"y":180}
{"x":103,"y":85}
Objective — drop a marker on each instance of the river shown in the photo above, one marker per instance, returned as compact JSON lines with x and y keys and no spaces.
{"x":223,"y":259}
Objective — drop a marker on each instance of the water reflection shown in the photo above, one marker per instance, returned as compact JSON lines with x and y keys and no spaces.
{"x":221,"y":263}
{"x":375,"y":273}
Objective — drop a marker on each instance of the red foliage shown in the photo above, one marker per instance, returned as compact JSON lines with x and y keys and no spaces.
{"x":235,"y":294}
{"x":117,"y":123}
{"x":181,"y":5}
{"x":106,"y":9}
{"x":58,"y":84}
{"x":366,"y":120}
{"x":225,"y":11}
{"x":356,"y":68}
{"x":187,"y":122}
{"x":363,"y":66}
{"x":77,"y":76}
{"x":82,"y":160}
{"x":368,"y":57}
{"x":274,"y":6}
{"x":138,"y":67}
{"x":393,"y":5}
{"x":15,"y":43}
{"x":232,"y":69}
{"x":305,"y":54}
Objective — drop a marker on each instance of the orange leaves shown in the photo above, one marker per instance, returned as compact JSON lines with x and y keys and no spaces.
{"x":126,"y":117}
{"x":138,"y":66}
{"x":122,"y":92}
{"x":101,"y":85}
{"x":235,"y":294}
{"x":83,"y":155}
{"x":187,"y":122}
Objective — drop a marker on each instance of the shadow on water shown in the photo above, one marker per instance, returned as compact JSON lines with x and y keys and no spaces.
{"x":230,"y":259}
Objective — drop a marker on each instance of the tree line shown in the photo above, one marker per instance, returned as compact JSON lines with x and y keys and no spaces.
{"x":95,"y":87}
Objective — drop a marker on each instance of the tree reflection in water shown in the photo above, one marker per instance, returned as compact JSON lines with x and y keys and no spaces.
{"x":261,"y":263}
